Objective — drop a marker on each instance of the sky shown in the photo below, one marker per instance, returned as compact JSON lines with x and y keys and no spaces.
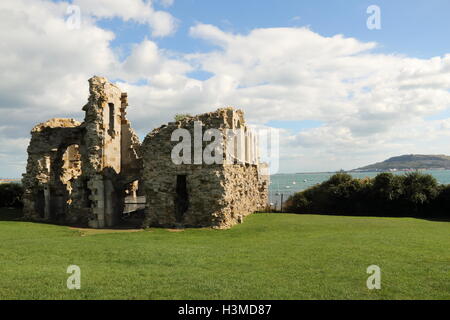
{"x":343,"y":95}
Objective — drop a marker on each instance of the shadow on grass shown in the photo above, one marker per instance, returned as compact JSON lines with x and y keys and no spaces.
{"x":10,"y":214}
{"x":14,"y":214}
{"x":435,"y":219}
{"x":439,"y":219}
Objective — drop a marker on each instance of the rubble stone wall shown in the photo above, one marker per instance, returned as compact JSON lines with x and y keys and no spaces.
{"x":218,"y":195}
{"x":48,"y":144}
{"x":81,"y":172}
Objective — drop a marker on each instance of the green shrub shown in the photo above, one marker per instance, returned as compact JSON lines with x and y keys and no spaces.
{"x":419,"y":190}
{"x":297,"y":203}
{"x":345,"y":193}
{"x":414,"y":194}
{"x":11,"y":195}
{"x":387,"y":187}
{"x":441,"y":205}
{"x":339,"y":194}
{"x":386,"y":194}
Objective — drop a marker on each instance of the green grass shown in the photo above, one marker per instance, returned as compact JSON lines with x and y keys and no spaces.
{"x":270,"y":256}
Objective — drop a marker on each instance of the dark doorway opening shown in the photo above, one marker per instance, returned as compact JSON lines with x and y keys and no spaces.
{"x":87,"y":202}
{"x":181,"y":199}
{"x":133,"y":213}
{"x":39,"y":204}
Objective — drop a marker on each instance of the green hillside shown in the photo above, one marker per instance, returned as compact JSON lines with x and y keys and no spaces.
{"x":411,"y":161}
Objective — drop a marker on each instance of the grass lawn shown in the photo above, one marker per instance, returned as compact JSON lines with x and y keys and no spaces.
{"x":270,"y":256}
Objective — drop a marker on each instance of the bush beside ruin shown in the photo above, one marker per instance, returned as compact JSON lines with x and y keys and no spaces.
{"x":413,"y":194}
{"x":11,"y":195}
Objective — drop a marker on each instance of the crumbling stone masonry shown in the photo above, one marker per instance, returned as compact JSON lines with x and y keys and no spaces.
{"x":215,"y":195}
{"x":80,"y":173}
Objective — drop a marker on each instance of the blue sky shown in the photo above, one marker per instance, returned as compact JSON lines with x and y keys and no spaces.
{"x":340,"y":102}
{"x":414,"y":28}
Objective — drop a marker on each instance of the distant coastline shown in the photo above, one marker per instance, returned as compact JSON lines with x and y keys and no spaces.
{"x":409,"y":162}
{"x":369,"y":171}
{"x":9,"y":180}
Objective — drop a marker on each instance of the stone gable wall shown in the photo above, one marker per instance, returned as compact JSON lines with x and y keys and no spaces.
{"x":219,"y":195}
{"x":75,"y":171}
{"x":81,"y":172}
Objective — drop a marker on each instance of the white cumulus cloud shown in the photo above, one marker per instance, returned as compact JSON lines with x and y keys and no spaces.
{"x":161,"y":22}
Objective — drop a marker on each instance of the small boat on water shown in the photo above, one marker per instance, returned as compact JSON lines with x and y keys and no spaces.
{"x":305,"y":180}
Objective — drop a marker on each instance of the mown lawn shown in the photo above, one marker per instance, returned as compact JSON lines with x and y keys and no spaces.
{"x":270,"y":256}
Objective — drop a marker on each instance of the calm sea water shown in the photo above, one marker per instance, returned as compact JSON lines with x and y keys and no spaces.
{"x":284,"y":185}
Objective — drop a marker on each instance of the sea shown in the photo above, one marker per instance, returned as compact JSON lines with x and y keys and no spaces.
{"x":285,"y":184}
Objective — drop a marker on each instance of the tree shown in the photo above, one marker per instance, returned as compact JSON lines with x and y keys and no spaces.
{"x":419,"y":190}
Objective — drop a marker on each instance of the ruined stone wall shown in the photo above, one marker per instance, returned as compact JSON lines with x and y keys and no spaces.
{"x":46,"y":185}
{"x":78,"y":172}
{"x":218,"y":195}
{"x":131,"y":158}
{"x":102,"y":125}
{"x":101,"y":187}
{"x":204,"y":192}
{"x":81,"y":172}
{"x":246,"y":191}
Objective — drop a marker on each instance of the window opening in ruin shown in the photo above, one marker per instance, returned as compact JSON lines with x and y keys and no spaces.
{"x":237,"y":147}
{"x":182,"y":199}
{"x":72,"y":157}
{"x":71,"y":166}
{"x":87,"y":195}
{"x":111,"y":119}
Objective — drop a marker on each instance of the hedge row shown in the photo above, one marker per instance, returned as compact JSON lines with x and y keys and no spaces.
{"x":413,"y":194}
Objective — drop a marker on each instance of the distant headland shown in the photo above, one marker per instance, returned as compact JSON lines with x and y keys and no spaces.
{"x":409,"y":162}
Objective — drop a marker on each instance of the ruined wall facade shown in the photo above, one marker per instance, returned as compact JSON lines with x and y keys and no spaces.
{"x":49,"y":168}
{"x":79,"y":172}
{"x":197,"y":193}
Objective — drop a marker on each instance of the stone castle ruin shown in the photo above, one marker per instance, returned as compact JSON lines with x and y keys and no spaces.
{"x":81,"y":173}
